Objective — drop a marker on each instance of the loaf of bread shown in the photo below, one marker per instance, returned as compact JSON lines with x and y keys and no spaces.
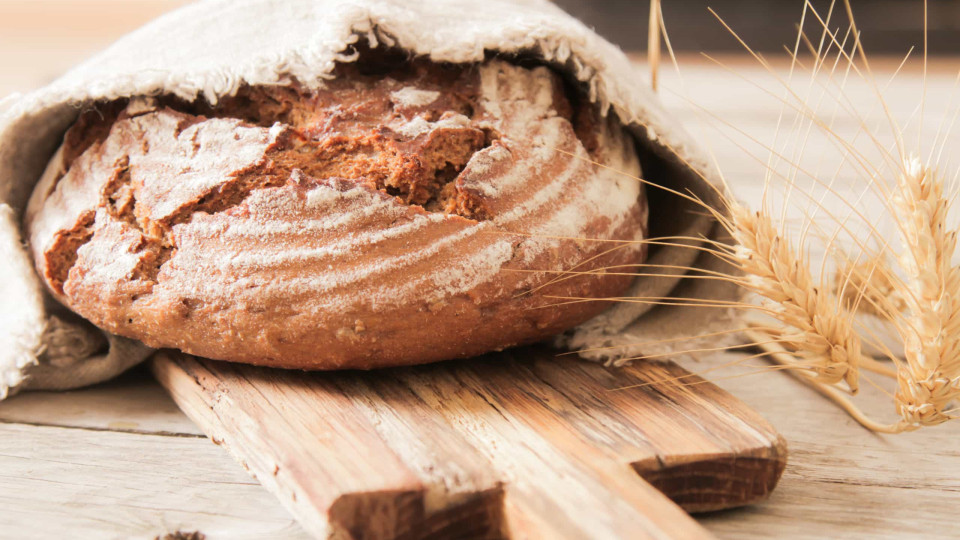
{"x":404,"y":212}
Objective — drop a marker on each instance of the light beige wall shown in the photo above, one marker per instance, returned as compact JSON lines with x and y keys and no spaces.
{"x":40,"y":39}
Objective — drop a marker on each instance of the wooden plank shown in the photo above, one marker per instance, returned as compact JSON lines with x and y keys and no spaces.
{"x":558,"y":485}
{"x":282,"y":452}
{"x":80,"y":484}
{"x":811,"y":510}
{"x":520,"y":443}
{"x":131,"y":403}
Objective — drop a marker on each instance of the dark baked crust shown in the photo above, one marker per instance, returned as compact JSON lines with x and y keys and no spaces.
{"x":392,"y":218}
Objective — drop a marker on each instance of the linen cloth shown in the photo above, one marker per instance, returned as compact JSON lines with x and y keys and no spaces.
{"x":207,"y":50}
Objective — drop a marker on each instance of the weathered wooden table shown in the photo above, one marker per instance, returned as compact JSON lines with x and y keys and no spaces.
{"x":120,"y":460}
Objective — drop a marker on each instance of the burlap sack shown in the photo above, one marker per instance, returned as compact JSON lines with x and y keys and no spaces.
{"x":208,"y":49}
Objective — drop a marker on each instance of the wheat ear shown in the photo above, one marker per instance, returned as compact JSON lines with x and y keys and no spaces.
{"x":870,"y":287}
{"x":930,"y":381}
{"x":818,"y":331}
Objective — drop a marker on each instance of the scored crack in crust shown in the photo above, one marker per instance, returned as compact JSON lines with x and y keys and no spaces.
{"x":396,"y":215}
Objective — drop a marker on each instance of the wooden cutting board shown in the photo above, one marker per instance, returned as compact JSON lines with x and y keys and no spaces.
{"x":519,"y":444}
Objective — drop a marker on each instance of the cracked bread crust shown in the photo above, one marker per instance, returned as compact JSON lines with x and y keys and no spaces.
{"x":392,"y":217}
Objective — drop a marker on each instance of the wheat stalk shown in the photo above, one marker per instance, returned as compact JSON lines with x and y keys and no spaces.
{"x":653,"y":42}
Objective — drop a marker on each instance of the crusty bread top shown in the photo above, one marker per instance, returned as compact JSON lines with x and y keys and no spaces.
{"x":376,"y":191}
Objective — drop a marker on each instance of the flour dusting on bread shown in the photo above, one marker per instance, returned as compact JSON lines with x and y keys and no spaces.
{"x":260,"y":223}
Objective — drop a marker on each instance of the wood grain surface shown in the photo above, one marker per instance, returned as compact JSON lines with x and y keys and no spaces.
{"x":520,"y":444}
{"x":60,"y":482}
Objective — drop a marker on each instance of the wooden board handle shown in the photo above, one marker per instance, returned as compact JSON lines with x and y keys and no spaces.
{"x":521,"y":444}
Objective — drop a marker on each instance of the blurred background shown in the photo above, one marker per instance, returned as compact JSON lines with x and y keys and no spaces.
{"x":890,"y":26}
{"x":40,"y":39}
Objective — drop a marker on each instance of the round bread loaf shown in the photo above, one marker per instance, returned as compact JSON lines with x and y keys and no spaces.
{"x":399,"y":214}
